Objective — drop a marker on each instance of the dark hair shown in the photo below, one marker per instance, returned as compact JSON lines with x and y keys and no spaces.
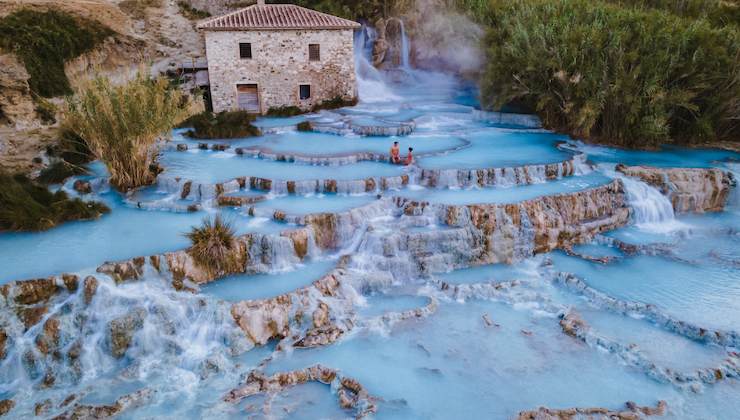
{"x":395,"y":142}
{"x":411,"y":149}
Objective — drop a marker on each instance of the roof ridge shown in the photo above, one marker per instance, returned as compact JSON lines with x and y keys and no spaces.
{"x":276,"y":16}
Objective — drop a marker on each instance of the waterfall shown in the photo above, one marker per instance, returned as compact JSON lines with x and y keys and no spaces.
{"x":651,"y":210}
{"x":404,"y":48}
{"x":371,"y":85}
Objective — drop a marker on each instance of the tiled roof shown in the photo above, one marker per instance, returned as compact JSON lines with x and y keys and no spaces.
{"x":275,"y":17}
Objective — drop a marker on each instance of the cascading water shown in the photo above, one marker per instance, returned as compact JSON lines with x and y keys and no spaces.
{"x":405,"y":50}
{"x":651,"y":210}
{"x":371,"y":85}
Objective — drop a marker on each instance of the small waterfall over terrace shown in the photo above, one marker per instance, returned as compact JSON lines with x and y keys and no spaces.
{"x":371,"y":85}
{"x":651,"y":210}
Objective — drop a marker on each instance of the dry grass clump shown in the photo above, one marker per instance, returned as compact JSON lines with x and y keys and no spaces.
{"x":121,"y":123}
{"x":214,"y":245}
{"x":137,"y":8}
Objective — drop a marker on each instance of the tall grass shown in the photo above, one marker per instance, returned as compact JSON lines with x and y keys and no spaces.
{"x":623,"y":75}
{"x":214,"y":245}
{"x":121,"y":123}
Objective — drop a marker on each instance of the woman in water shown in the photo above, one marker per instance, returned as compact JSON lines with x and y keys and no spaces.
{"x":410,"y":157}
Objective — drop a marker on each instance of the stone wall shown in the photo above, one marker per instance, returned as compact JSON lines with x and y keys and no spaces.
{"x":279,"y":64}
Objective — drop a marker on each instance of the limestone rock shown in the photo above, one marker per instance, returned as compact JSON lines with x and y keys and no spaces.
{"x":125,"y":270}
{"x":688,"y":189}
{"x":16,"y":102}
{"x":90,"y":286}
{"x":6,"y":406}
{"x":82,"y":187}
{"x":84,"y":411}
{"x":122,"y":330}
{"x":3,"y":340}
{"x":632,"y":412}
{"x":48,"y":340}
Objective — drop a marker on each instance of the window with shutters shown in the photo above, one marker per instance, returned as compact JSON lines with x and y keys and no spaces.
{"x":304,"y":92}
{"x":245,"y":50}
{"x":314,"y":52}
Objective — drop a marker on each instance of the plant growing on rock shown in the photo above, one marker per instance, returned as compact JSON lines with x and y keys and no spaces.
{"x":224,"y":125}
{"x":214,"y":246}
{"x":122,"y":123}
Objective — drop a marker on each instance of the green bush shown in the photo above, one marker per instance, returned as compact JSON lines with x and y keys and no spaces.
{"x":57,"y":172}
{"x":305,"y":126}
{"x":284,"y":111}
{"x":334,"y":103}
{"x":44,"y":41}
{"x":190,"y":12}
{"x":628,"y":76}
{"x":224,"y":125}
{"x":25,"y":205}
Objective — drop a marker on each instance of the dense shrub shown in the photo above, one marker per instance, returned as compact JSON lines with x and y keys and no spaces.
{"x":44,"y":41}
{"x":137,"y":8}
{"x":718,"y":12}
{"x":304,"y":126}
{"x":224,"y":125}
{"x":121,"y":124}
{"x":213,"y":245}
{"x":334,"y":103}
{"x":284,"y":111}
{"x":190,"y":12}
{"x":58,"y":171}
{"x":25,"y":205}
{"x":624,"y":75}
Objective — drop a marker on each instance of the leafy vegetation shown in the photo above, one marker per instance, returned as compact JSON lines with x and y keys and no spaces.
{"x":121,"y":124}
{"x":45,"y":110}
{"x":58,"y":171}
{"x":214,"y":245}
{"x":44,"y":41}
{"x":334,"y":103}
{"x":25,"y":205}
{"x":137,"y":8}
{"x":224,"y":125}
{"x":624,"y":75}
{"x":284,"y":111}
{"x":190,"y":12}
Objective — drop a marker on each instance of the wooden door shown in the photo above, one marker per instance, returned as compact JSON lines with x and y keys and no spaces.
{"x":247,"y":98}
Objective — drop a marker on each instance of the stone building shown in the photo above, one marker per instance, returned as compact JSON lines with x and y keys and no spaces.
{"x":274,"y":55}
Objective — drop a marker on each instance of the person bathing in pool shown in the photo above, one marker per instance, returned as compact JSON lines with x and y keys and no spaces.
{"x":410,"y":157}
{"x":395,"y":153}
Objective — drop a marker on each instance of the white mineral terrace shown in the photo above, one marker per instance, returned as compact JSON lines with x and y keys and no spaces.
{"x":508,"y":272}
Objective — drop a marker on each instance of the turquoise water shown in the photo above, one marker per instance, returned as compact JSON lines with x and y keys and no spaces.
{"x":507,"y":195}
{"x":124,"y":233}
{"x":261,"y":286}
{"x":322,"y":203}
{"x":493,"y":347}
{"x":502,"y":148}
{"x":212,"y":167}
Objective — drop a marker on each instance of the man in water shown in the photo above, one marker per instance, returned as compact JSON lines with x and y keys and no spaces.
{"x":395,"y":153}
{"x":410,"y":157}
